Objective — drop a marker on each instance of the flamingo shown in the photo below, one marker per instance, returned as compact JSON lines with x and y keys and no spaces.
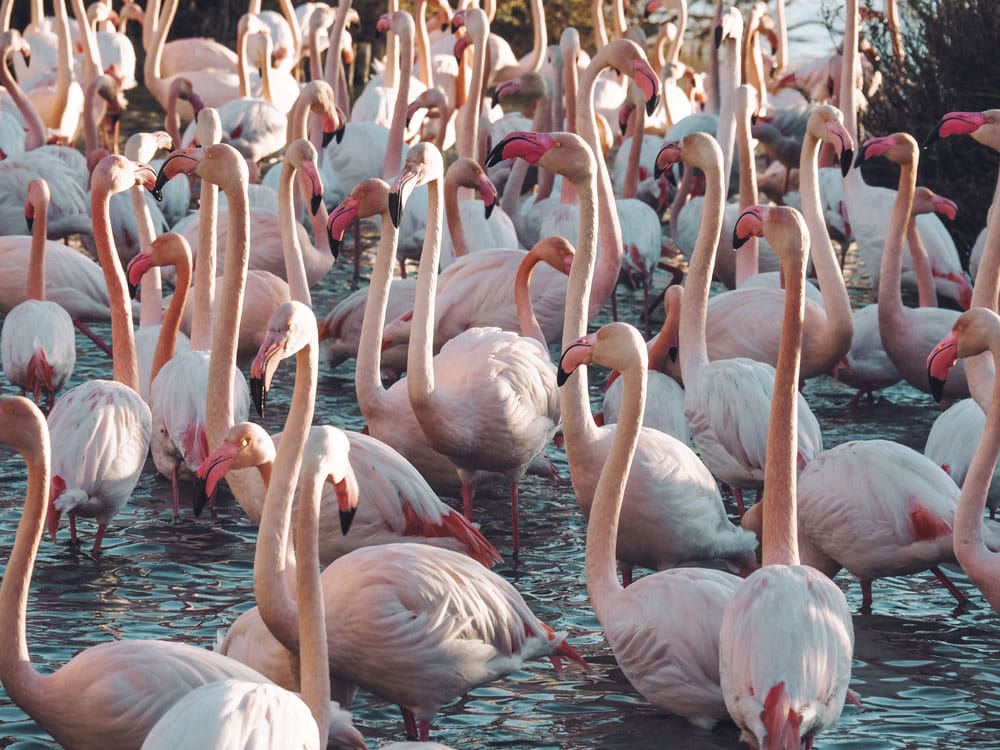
{"x":83,"y":704}
{"x":472,"y":224}
{"x":726,"y":400}
{"x":976,"y":331}
{"x":787,"y":639}
{"x":37,"y":343}
{"x":188,"y":54}
{"x":104,"y":426}
{"x":487,"y":365}
{"x":664,"y":628}
{"x":58,"y":96}
{"x":673,"y":511}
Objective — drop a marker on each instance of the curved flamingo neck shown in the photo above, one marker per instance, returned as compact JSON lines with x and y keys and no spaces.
{"x":295,"y":269}
{"x":674,"y":53}
{"x":659,"y":348}
{"x":22,"y":683}
{"x":748,"y":256}
{"x":367,"y":376}
{"x":834,"y":340}
{"x":151,"y":72}
{"x":926,"y":291}
{"x":602,"y":526}
{"x":419,"y":362}
{"x":242,"y":64}
{"x":610,"y":257}
{"x":34,"y":135}
{"x":394,"y":150}
{"x":64,"y":69}
{"x":277,"y":608}
{"x":468,"y":133}
{"x":539,"y":39}
{"x":91,"y":54}
{"x":600,"y":30}
{"x":693,"y":347}
{"x":203,"y":309}
{"x":631,"y":188}
{"x":779,"y":538}
{"x":729,"y":80}
{"x":529,"y":325}
{"x":166,"y":343}
{"x":36,"y":263}
{"x":890,"y":295}
{"x":125,"y":369}
{"x":986,"y":290}
{"x":151,"y":304}
{"x":849,"y":70}
{"x":423,"y":44}
{"x":981,"y":564}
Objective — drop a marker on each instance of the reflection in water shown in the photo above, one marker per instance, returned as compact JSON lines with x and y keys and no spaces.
{"x":925,"y":673}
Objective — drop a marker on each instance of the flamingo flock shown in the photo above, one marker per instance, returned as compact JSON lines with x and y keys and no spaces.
{"x":377,"y":559}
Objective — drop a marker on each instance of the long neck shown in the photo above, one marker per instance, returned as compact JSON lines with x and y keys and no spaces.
{"x":522,"y":298}
{"x":779,"y":540}
{"x":64,"y":71}
{"x":288,"y":11}
{"x":926,"y":291}
{"x":93,"y":110}
{"x":747,"y":257}
{"x":91,"y":54}
{"x":125,"y":369}
{"x":600,"y":31}
{"x":295,"y":269}
{"x":229,"y":311}
{"x":781,"y":26}
{"x":36,"y":264}
{"x":574,"y":396}
{"x":693,"y":347}
{"x":980,"y":563}
{"x":151,"y":304}
{"x":151,"y":24}
{"x":979,"y":371}
{"x":392,"y":54}
{"x":847,"y":102}
{"x":890,"y":296}
{"x":419,"y":365}
{"x":423,"y":44}
{"x":331,"y":71}
{"x":729,"y":79}
{"x":34,"y":126}
{"x":367,"y":377}
{"x":470,"y":110}
{"x":277,"y":608}
{"x":453,"y":215}
{"x":203,"y":310}
{"x":631,"y":188}
{"x":674,"y":54}
{"x":838,"y":330}
{"x":166,"y":344}
{"x":602,"y":527}
{"x":610,"y":258}
{"x":151,"y":67}
{"x":22,"y":683}
{"x":314,"y":662}
{"x":394,"y":151}
{"x":243,"y":65}
{"x":540,"y":37}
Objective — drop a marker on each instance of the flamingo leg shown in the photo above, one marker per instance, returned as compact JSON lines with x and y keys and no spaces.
{"x":409,"y":723}
{"x":467,"y":500}
{"x":402,"y":269}
{"x":948,"y":584}
{"x":72,"y":529}
{"x":177,"y":501}
{"x":646,"y":279}
{"x":425,"y":730}
{"x":82,"y":328}
{"x":514,"y":514}
{"x":614,"y":304}
{"x":626,"y":570}
{"x":96,"y":551}
{"x":866,"y":594}
{"x":740,"y":507}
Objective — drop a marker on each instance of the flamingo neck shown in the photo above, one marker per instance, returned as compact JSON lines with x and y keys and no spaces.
{"x":468,"y":134}
{"x":34,"y":126}
{"x":22,"y":683}
{"x":987,"y":287}
{"x":890,"y":295}
{"x":203,"y":311}
{"x":419,"y":364}
{"x":976,"y":559}
{"x":265,"y":82}
{"x":151,"y":304}
{"x":779,"y":537}
{"x":125,"y":369}
{"x":781,"y":27}
{"x":834,"y":340}
{"x":926,"y":291}
{"x":295,"y":269}
{"x":242,"y":64}
{"x":847,"y":101}
{"x":610,"y":257}
{"x":423,"y":44}
{"x":394,"y":151}
{"x":166,"y":343}
{"x":331,"y":71}
{"x":392,"y":53}
{"x":228,"y":313}
{"x":530,"y":327}
{"x":729,"y":79}
{"x":36,"y":263}
{"x":64,"y":65}
{"x":631,"y":187}
{"x":152,"y":76}
{"x":747,"y":257}
{"x":674,"y":53}
{"x":453,"y":216}
{"x":693,"y":346}
{"x":288,"y":11}
{"x":539,"y":39}
{"x":367,"y":376}
{"x":277,"y":607}
{"x":600,"y":30}
{"x":659,"y":348}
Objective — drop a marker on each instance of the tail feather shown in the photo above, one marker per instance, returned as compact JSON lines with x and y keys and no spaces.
{"x":781,"y":720}
{"x":39,"y":375}
{"x":456,"y":526}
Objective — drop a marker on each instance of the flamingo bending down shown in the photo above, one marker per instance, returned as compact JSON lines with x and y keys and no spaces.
{"x":37,"y":342}
{"x":664,"y":628}
{"x":103,"y":425}
{"x":975,"y":332}
{"x":787,"y":640}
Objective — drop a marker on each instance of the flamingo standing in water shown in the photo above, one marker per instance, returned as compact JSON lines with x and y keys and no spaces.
{"x":37,"y":342}
{"x":787,"y":640}
{"x":103,"y":426}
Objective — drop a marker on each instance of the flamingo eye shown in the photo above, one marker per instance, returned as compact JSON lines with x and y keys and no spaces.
{"x":244,"y":442}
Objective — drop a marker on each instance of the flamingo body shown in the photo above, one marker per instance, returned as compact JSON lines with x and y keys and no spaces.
{"x":38,"y":347}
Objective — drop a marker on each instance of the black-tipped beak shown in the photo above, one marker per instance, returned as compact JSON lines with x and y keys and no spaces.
{"x":494,"y":99}
{"x":314,"y":203}
{"x":672,"y":353}
{"x":258,"y":395}
{"x":395,"y":208}
{"x":489,"y":209}
{"x":31,"y":223}
{"x":651,"y":104}
{"x":161,"y":180}
{"x":338,"y":133}
{"x":738,"y":241}
{"x":327,"y":137}
{"x":495,"y":156}
{"x":718,"y":36}
{"x":845,"y":161}
{"x":346,"y":518}
{"x":934,"y":135}
{"x":862,"y":155}
{"x":199,"y":497}
{"x":561,"y":374}
{"x":936,"y":386}
{"x":334,"y":245}
{"x":133,"y":289}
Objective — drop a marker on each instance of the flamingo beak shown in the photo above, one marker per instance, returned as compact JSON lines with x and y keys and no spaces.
{"x":580,"y":352}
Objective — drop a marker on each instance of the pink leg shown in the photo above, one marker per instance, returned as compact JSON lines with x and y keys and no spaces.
{"x":614,"y":303}
{"x":866,"y":594}
{"x":947,"y":583}
{"x":646,"y":278}
{"x":402,"y":269}
{"x":467,"y":500}
{"x":514,"y":514}
{"x":740,"y":507}
{"x":409,"y":723}
{"x":425,"y":730}
{"x":96,"y":551}
{"x":626,"y":574}
{"x":72,"y":529}
{"x":82,"y":328}
{"x":177,"y":501}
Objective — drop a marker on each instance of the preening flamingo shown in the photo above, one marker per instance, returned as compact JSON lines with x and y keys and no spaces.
{"x":672,"y":511}
{"x":787,"y":639}
{"x":664,"y":628}
{"x":37,"y":343}
{"x":103,"y":425}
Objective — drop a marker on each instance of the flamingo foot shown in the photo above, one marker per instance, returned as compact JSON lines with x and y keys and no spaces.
{"x":948,"y":584}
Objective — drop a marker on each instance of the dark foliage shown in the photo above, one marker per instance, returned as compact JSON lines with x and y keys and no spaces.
{"x":951,"y":65}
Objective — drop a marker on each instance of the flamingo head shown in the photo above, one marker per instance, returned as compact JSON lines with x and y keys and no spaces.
{"x":624,"y":112}
{"x":346,"y":488}
{"x":505,"y":90}
{"x":944,"y":206}
{"x":668,"y":155}
{"x":729,"y":26}
{"x":302,"y":154}
{"x":244,"y":445}
{"x":136,"y":269}
{"x":577,"y":354}
{"x":832,"y":131}
{"x":457,"y":20}
{"x":334,"y":123}
{"x":115,"y":174}
{"x":749,"y":224}
{"x":961,"y":123}
{"x":942,"y":358}
{"x":291,"y":328}
{"x":644,"y":75}
{"x":384,"y":23}
{"x":616,"y":345}
{"x":488,"y":193}
{"x":423,"y":164}
{"x":179,"y":161}
{"x":874,"y":147}
{"x":340,"y":218}
{"x":461,"y":43}
{"x":525,"y":144}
